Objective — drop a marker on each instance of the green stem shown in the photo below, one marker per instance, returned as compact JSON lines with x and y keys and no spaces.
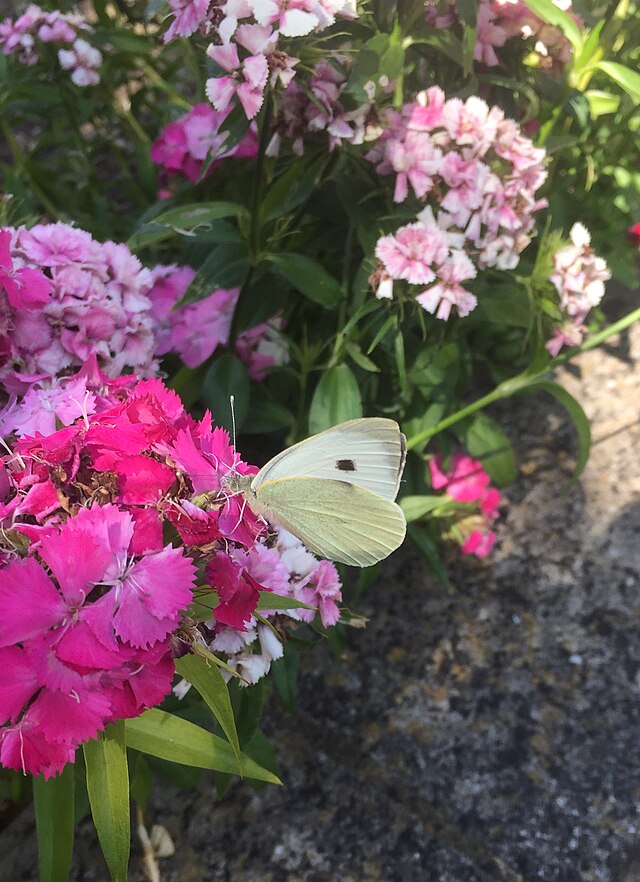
{"x":258,"y":177}
{"x":520,"y":382}
{"x":20,"y":159}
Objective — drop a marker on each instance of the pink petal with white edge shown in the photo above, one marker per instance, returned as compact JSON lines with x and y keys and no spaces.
{"x":251,"y":99}
{"x":226,"y":56}
{"x":220,"y":91}
{"x":29,"y":601}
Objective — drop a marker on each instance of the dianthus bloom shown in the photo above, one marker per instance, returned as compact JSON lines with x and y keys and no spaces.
{"x":92,"y":591}
{"x":466,"y":482}
{"x":77,"y":55}
{"x":499,"y":21}
{"x":579,"y":277}
{"x":183,"y":146}
{"x":66,"y":297}
{"x":478,"y":175}
{"x":196,"y":330}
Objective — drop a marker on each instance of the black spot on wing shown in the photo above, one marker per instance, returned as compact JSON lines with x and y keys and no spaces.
{"x":345,"y":465}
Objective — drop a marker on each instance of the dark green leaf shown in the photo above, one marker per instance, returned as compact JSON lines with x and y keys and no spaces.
{"x":182,"y":221}
{"x":627,"y":79}
{"x":269,"y":600}
{"x":168,"y":737}
{"x":267,"y":416}
{"x":226,"y":267}
{"x":308,"y":277}
{"x":506,"y":304}
{"x":227,"y":376}
{"x":54,"y":807}
{"x":285,"y":675}
{"x":108,"y":788}
{"x":429,"y":550}
{"x":336,"y":399}
{"x":361,"y":359}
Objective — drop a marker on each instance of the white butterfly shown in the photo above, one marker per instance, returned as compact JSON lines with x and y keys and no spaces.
{"x":335,"y":491}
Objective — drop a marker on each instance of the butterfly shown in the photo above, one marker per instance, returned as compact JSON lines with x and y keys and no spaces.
{"x":335,"y":491}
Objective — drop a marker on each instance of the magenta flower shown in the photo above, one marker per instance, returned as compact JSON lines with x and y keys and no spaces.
{"x":25,"y":288}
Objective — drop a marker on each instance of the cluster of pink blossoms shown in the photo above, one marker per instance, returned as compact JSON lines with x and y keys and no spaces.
{"x":246,"y":41}
{"x":579,"y":277}
{"x":480,"y":173}
{"x":196,"y":330}
{"x":317,"y":108}
{"x":63,"y":297}
{"x":84,"y":514}
{"x":183,"y":145}
{"x":501,"y":20}
{"x":78,"y":56}
{"x":466,"y":481}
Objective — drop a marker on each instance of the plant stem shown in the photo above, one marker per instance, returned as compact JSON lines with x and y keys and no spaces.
{"x":258,"y":177}
{"x":20,"y":159}
{"x":522,"y":381}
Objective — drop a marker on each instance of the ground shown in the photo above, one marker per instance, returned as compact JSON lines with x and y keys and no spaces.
{"x":489,"y":734}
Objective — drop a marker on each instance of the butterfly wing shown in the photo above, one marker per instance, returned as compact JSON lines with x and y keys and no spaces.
{"x":368,"y":452}
{"x":335,"y":519}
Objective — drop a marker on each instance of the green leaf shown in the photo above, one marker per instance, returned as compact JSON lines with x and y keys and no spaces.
{"x":553,"y":15}
{"x":416,"y":507}
{"x":429,"y":550}
{"x":483,"y":439}
{"x":627,"y":79}
{"x":506,"y":304}
{"x":285,"y":675}
{"x":293,"y":187}
{"x":361,"y":359}
{"x":591,"y":46}
{"x":108,"y":788}
{"x":577,"y":414}
{"x":269,"y":600}
{"x":601,"y":103}
{"x":336,"y":399}
{"x":227,"y":376}
{"x":382,"y":55}
{"x":308,"y":277}
{"x":54,"y":807}
{"x":209,"y":682}
{"x":226,"y":267}
{"x":168,"y":737}
{"x":182,"y":221}
{"x":267,"y":416}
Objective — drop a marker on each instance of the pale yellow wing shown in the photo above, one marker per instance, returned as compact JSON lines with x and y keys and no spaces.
{"x":335,"y":519}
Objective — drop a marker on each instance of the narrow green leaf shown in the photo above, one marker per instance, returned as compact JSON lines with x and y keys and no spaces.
{"x":591,"y":46}
{"x":225,"y":267}
{"x":383,"y":330}
{"x":416,"y":507}
{"x":54,"y":807}
{"x":269,"y":600}
{"x":361,"y":359}
{"x":627,"y":79}
{"x":577,"y":414}
{"x":182,"y":221}
{"x":553,"y":15}
{"x":308,"y":277}
{"x":168,"y":737}
{"x":429,"y":550}
{"x":209,"y":682}
{"x":108,"y":788}
{"x":336,"y":399}
{"x":285,"y":675}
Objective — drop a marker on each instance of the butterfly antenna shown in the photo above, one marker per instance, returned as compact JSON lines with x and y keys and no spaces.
{"x":232,"y":401}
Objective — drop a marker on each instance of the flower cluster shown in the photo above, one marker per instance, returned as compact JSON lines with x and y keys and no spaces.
{"x":317,"y":108}
{"x":579,"y":277}
{"x":77,"y":55}
{"x":66,"y":297}
{"x":480,"y":173}
{"x":194,"y":331}
{"x":85,"y":511}
{"x":246,"y":44}
{"x":183,"y":145}
{"x":501,"y":20}
{"x":466,"y":482}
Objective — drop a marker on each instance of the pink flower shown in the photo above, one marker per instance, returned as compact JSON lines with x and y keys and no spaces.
{"x":238,"y":592}
{"x":447,"y":292}
{"x":83,"y":60}
{"x":409,"y":253}
{"x":250,"y":90}
{"x":189,"y":15}
{"x":489,"y":35}
{"x":25,"y":288}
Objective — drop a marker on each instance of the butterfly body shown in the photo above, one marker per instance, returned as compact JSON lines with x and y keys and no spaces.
{"x":335,"y":491}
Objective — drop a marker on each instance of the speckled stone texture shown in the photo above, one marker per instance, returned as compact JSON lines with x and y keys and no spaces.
{"x":491,"y":734}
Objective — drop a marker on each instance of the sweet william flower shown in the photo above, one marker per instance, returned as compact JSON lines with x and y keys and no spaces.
{"x":25,"y":288}
{"x":247,"y":79}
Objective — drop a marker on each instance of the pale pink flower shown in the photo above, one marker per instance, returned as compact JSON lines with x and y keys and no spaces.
{"x":188,"y":16}
{"x":250,"y":89}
